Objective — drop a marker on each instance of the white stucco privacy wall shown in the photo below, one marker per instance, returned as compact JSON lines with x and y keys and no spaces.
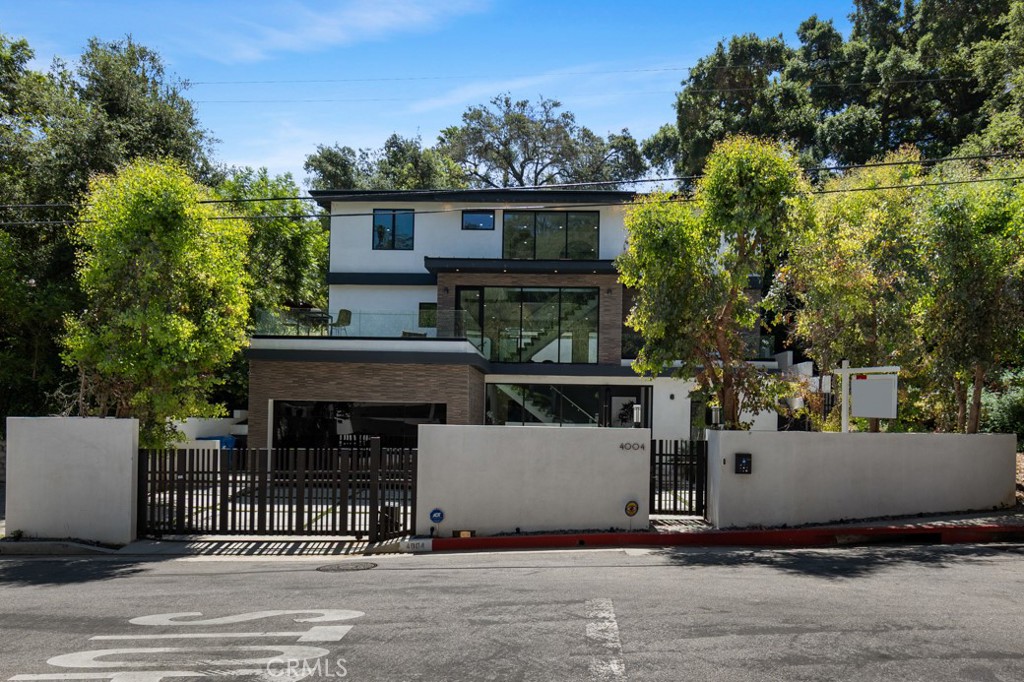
{"x":72,"y":478}
{"x":799,"y":477}
{"x":494,"y":479}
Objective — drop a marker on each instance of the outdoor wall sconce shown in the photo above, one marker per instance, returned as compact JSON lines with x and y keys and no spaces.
{"x":638,"y":415}
{"x":716,"y":415}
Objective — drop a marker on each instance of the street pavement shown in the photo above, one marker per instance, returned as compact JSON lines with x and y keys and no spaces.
{"x":865,"y":613}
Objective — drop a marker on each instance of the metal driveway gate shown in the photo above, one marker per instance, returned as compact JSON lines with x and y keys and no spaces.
{"x":363,"y":488}
{"x":679,"y":477}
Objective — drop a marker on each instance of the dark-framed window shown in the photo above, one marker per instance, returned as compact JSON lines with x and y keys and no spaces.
{"x":478,"y":220}
{"x":427,"y":316}
{"x":531,"y":324}
{"x":551,"y":235}
{"x":392,"y":229}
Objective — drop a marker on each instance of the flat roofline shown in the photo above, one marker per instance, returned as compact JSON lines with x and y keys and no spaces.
{"x":511,"y":195}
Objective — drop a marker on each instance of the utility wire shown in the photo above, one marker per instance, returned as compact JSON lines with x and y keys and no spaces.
{"x":542,"y":206}
{"x":384,"y":194}
{"x":685,"y":89}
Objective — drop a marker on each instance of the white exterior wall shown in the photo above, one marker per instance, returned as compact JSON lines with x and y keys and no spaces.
{"x":381,"y":310}
{"x":494,"y":479}
{"x":800,"y":478}
{"x":72,"y":478}
{"x":201,"y":427}
{"x":670,"y":417}
{"x":440,"y":235}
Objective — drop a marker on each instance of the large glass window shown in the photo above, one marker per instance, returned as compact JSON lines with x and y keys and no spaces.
{"x":563,"y":404}
{"x":551,"y":235}
{"x":517,"y":234}
{"x":532,"y":324}
{"x":392,"y":229}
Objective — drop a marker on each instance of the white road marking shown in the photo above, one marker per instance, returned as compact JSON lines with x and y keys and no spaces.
{"x":603,"y":636}
{"x":87,"y":659}
{"x":137,"y":676}
{"x":317,"y":633}
{"x":326,"y":616}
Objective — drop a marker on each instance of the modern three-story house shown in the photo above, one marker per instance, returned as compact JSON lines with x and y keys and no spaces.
{"x":462,"y":307}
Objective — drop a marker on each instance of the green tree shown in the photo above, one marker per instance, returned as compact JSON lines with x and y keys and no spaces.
{"x":57,"y":129}
{"x":738,"y":89}
{"x":690,"y":265}
{"x":402,"y":163}
{"x":857,"y":275}
{"x":973,"y":315}
{"x":517,"y":143}
{"x":287,"y":252}
{"x":930,"y":73}
{"x":287,"y":258}
{"x":167,"y":297}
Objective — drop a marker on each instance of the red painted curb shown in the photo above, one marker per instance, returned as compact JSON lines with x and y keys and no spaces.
{"x":800,"y":537}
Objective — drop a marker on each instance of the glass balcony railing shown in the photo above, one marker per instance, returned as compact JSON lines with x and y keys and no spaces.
{"x":389,"y":324}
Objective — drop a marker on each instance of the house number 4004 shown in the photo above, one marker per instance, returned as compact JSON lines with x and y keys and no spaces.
{"x":631,"y":446}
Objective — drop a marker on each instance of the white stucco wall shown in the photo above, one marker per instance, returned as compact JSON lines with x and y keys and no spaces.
{"x":804,"y":477}
{"x":381,"y":310}
{"x":439,"y":235}
{"x":494,"y":479}
{"x":671,"y":409}
{"x":72,"y":478}
{"x":201,"y":427}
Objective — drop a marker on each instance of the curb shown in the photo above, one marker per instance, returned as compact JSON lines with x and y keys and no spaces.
{"x":779,"y":538}
{"x":52,"y":548}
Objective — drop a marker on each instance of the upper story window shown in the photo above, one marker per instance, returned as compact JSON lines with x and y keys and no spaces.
{"x":551,"y":235}
{"x":392,"y":229}
{"x":478,"y":220}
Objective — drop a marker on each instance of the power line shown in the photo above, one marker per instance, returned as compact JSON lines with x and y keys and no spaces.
{"x":546,"y":206}
{"x":685,"y":88}
{"x":384,"y":194}
{"x":399,"y":79}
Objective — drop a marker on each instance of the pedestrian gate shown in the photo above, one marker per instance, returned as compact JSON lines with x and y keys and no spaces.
{"x":679,"y":477}
{"x":363,"y":488}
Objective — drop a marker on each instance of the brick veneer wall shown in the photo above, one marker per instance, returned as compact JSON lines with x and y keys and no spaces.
{"x":609,"y":332}
{"x":459,"y":387}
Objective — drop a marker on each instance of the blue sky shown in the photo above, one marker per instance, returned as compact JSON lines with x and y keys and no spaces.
{"x":271,"y":80}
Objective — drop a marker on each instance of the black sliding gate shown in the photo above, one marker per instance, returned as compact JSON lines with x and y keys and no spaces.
{"x":679,"y":477}
{"x":364,"y":488}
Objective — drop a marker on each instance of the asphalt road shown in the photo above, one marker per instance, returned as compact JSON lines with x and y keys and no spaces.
{"x":879,"y":613}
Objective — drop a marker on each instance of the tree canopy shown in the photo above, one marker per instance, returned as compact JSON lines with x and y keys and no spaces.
{"x":935,"y":74}
{"x":166,"y":292}
{"x":57,"y":129}
{"x":690,"y":264}
{"x":518,"y":143}
{"x":402,"y":163}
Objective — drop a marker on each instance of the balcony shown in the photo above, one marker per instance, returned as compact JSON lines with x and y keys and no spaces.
{"x":384,"y":324}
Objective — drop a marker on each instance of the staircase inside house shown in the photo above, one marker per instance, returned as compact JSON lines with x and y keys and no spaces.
{"x":573,"y":317}
{"x":543,"y":413}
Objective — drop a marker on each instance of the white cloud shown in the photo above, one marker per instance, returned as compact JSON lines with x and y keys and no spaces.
{"x":475,"y":93}
{"x":295,"y":27}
